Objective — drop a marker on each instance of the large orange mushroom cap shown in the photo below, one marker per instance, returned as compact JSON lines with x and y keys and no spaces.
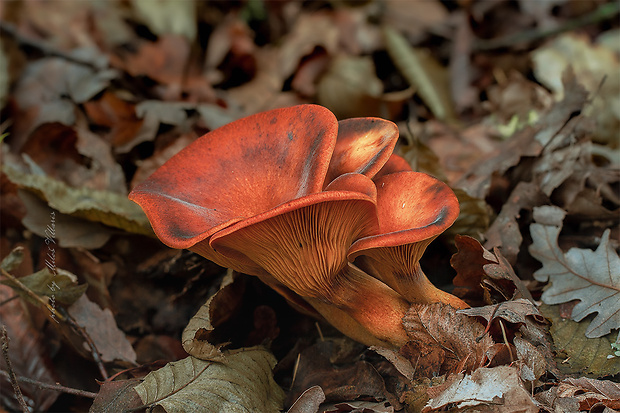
{"x":413,"y":209}
{"x":237,"y":171}
{"x":364,"y":145}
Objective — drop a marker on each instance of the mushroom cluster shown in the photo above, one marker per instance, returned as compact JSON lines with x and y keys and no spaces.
{"x":319,"y":209}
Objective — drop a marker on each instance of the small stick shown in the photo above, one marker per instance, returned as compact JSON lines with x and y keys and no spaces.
{"x":18,"y":392}
{"x":51,"y":386}
{"x":318,"y":327}
{"x":295,"y":370}
{"x":512,"y":359}
{"x":93,"y":349}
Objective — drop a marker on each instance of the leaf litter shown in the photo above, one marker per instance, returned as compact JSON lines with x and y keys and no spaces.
{"x":98,"y":97}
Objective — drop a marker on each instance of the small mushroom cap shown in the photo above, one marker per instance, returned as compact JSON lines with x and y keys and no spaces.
{"x":237,"y":171}
{"x":393,"y":165}
{"x":412,"y":207}
{"x":363,"y":146}
{"x":303,"y":243}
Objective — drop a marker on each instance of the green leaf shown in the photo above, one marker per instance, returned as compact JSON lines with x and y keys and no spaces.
{"x":58,"y":284}
{"x":576,"y":353}
{"x":243,"y":383}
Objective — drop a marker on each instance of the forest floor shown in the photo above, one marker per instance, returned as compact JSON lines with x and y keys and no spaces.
{"x":514,"y":104}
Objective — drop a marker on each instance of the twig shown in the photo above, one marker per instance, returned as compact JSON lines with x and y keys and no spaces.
{"x":91,"y":344}
{"x":51,"y":386}
{"x":8,"y":300}
{"x":65,"y":318}
{"x":18,"y":392}
{"x":604,"y":12}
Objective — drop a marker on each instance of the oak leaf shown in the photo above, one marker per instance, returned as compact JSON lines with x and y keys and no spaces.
{"x":593,"y":277}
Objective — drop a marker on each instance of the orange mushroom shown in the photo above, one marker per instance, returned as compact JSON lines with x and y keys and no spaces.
{"x":235,"y":172}
{"x":287,"y":195}
{"x":413,"y":209}
{"x":363,"y":146}
{"x":303,"y":244}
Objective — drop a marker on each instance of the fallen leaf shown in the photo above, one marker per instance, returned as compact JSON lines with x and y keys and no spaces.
{"x":423,"y":72}
{"x":110,"y":341}
{"x":57,"y":284}
{"x":340,"y":380}
{"x":575,"y":352}
{"x":495,"y":389}
{"x":116,"y":396}
{"x":28,"y":354}
{"x":533,"y":363}
{"x":108,"y":208}
{"x":243,"y":382}
{"x":358,"y":406}
{"x":403,"y":365}
{"x":512,"y":311}
{"x":168,"y":16}
{"x":592,"y":63}
{"x":309,"y":401}
{"x":457,"y":342}
{"x":484,"y":276}
{"x":213,"y":312}
{"x":592,"y":277}
{"x":505,"y":231}
{"x":70,"y":232}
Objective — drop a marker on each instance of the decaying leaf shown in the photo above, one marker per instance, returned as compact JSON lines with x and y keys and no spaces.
{"x":242,"y":383}
{"x":58,"y":284}
{"x":69,"y":231}
{"x":592,"y":277}
{"x":28,"y":355}
{"x":505,"y":231}
{"x":116,"y":396}
{"x":512,"y":311}
{"x":496,"y":389}
{"x":108,"y":208}
{"x":214,"y":311}
{"x":100,"y":325}
{"x":483,"y":275}
{"x":443,"y":341}
{"x":575,"y":352}
{"x":593,"y":64}
{"x":423,"y":72}
{"x":309,"y":401}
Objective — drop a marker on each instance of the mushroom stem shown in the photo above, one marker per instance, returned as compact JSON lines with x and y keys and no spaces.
{"x":406,"y":276}
{"x":375,"y":306}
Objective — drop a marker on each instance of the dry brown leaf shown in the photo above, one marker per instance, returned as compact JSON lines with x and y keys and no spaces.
{"x":309,"y":401}
{"x":28,"y":355}
{"x":505,"y":232}
{"x":340,"y":383}
{"x":443,"y":341}
{"x":117,"y":114}
{"x":70,"y":231}
{"x":592,"y":64}
{"x":486,"y":390}
{"x":110,"y":341}
{"x":592,"y":277}
{"x":512,"y":311}
{"x":116,"y":396}
{"x":198,"y":332}
{"x":482,"y":274}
